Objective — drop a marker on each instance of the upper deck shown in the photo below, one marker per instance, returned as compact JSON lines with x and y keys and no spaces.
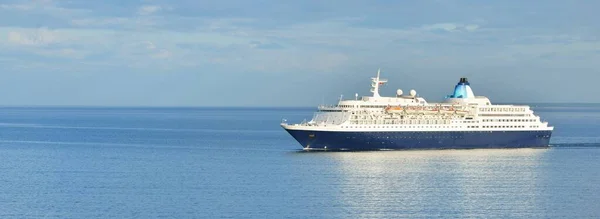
{"x":461,"y":110}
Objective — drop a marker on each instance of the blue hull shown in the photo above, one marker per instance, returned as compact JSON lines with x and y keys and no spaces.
{"x":324,"y":140}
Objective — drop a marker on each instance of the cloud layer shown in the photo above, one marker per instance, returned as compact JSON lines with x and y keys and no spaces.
{"x":224,"y":40}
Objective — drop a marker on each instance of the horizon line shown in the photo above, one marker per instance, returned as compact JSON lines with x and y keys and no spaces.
{"x":239,"y":106}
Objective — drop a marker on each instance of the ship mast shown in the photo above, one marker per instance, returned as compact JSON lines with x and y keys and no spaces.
{"x":376,"y":82}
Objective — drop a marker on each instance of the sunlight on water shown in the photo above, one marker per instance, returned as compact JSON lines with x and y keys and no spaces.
{"x":463,"y":183}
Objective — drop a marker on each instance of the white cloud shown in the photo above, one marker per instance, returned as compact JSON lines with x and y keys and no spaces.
{"x":451,"y":27}
{"x":162,"y":54}
{"x":22,"y":7}
{"x":471,"y":27}
{"x":150,"y":45}
{"x":442,"y":26}
{"x":279,"y":61}
{"x":149,"y":9}
{"x":316,"y":47}
{"x":64,"y":52}
{"x":45,"y":7}
{"x":28,"y":5}
{"x":155,"y":52}
{"x":118,"y":23}
{"x":224,"y":24}
{"x":35,"y":37}
{"x":100,"y":21}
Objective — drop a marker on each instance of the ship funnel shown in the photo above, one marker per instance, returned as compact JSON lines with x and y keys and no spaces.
{"x":463,"y":89}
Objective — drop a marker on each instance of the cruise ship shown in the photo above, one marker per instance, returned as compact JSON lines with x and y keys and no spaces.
{"x":407,"y":121}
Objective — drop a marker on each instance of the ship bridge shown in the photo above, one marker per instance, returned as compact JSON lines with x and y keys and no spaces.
{"x":376,"y":101}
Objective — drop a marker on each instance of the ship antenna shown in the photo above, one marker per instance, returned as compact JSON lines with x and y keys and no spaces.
{"x":376,"y":83}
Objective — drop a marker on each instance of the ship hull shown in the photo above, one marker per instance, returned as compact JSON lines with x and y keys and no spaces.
{"x":406,"y":140}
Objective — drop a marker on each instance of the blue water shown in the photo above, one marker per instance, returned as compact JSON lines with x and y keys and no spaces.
{"x":238,"y":163}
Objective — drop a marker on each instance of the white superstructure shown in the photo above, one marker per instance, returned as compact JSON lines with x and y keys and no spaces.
{"x":462,"y":111}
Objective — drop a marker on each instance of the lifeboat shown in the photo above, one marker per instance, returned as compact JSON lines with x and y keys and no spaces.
{"x":394,"y":109}
{"x":414,"y":109}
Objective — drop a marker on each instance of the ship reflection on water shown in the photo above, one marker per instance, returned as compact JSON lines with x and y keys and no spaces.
{"x":433,"y":183}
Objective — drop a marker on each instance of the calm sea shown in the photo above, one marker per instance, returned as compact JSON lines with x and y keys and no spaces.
{"x":238,"y":163}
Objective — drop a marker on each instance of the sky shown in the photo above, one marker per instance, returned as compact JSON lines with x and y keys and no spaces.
{"x":293,"y":53}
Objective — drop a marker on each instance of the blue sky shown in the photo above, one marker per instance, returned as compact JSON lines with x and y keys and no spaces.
{"x":293,"y":53}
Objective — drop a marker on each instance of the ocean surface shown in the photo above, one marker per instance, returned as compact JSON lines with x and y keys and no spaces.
{"x":239,"y":163}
